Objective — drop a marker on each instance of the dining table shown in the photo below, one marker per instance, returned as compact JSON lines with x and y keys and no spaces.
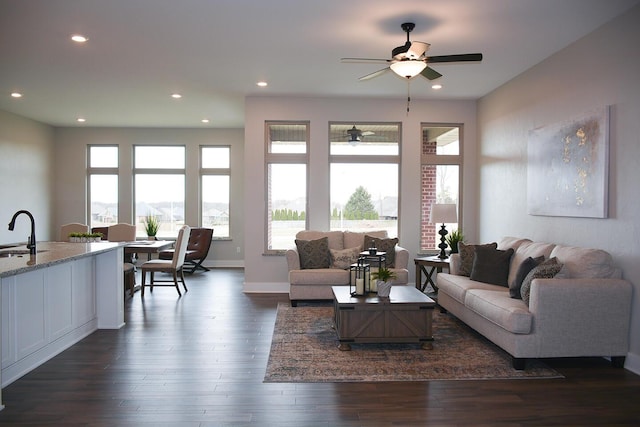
{"x":148,"y":247}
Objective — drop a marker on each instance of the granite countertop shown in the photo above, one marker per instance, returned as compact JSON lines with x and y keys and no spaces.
{"x":49,"y":253}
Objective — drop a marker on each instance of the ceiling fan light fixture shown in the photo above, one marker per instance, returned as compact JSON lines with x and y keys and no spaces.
{"x":408,"y":68}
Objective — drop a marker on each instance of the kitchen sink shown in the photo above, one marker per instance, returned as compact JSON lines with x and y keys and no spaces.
{"x":16,"y":253}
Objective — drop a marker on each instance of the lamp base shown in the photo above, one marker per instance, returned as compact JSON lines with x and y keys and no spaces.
{"x":443,"y":243}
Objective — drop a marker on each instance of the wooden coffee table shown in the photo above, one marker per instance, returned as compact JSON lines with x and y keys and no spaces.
{"x":404,"y":317}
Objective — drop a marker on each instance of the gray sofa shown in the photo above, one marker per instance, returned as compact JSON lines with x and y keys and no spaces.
{"x":315,"y":284}
{"x":584,"y":310}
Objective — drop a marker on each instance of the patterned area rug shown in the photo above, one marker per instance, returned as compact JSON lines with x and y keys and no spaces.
{"x":304,"y":348}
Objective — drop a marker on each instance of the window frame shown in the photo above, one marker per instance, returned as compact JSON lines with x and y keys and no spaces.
{"x":434,"y":159}
{"x":92,"y":171}
{"x":214,"y":172}
{"x":283,"y":158}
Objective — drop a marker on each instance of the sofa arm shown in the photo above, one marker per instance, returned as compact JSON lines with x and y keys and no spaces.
{"x":293,"y":259}
{"x":585,"y":314}
{"x":402,"y":258}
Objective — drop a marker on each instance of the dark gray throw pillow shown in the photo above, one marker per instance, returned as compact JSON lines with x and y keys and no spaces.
{"x":491,"y":266}
{"x":524,"y":269}
{"x":466,"y":256}
{"x":314,"y":253}
{"x":547,"y":270}
{"x":383,"y":245}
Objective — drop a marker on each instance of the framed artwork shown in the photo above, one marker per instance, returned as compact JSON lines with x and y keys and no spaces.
{"x":568,"y":167}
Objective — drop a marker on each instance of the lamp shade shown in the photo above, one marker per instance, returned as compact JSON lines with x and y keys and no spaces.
{"x":408,"y":68}
{"x":443,"y":213}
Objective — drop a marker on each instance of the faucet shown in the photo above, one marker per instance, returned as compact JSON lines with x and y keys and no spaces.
{"x":31,"y":244}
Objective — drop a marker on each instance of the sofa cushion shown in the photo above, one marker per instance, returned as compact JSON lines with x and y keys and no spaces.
{"x":546,"y":270}
{"x":314,"y":253}
{"x":497,"y":307}
{"x":335,"y":237}
{"x":319,"y":276}
{"x":352,"y":239}
{"x":457,"y":286}
{"x":586,"y":263}
{"x":525,"y":267}
{"x":383,"y":245}
{"x":525,"y":250}
{"x":511,"y":242}
{"x":343,"y":258}
{"x":466,"y":256}
{"x":491,"y":265}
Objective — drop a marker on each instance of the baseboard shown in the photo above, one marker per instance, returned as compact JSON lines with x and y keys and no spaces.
{"x":234,"y":263}
{"x":632,"y":363}
{"x":266,"y":288}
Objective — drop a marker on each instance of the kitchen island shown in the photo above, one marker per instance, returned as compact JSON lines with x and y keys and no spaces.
{"x":55,"y":298}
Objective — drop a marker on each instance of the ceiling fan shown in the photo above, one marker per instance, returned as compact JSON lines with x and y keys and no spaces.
{"x":409,"y":60}
{"x":356,"y":135}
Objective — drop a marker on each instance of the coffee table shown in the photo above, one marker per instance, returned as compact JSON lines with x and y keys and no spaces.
{"x":404,"y":317}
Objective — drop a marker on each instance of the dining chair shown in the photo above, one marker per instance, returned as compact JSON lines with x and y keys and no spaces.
{"x":197,"y":249}
{"x":123,"y":232}
{"x":73,"y":227}
{"x":172,"y":266}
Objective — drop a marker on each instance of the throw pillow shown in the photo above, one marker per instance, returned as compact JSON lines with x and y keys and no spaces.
{"x":343,"y":258}
{"x":524,"y":269}
{"x":383,"y":245}
{"x":491,"y":265}
{"x":314,"y":253}
{"x":546,"y":270}
{"x":466,"y":256}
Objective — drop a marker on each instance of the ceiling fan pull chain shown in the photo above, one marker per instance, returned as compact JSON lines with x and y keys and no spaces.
{"x":408,"y":95}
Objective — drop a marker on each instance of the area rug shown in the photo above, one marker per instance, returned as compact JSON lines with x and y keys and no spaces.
{"x":304,"y":348}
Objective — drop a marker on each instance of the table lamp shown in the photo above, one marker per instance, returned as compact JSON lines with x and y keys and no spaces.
{"x":442,"y":213}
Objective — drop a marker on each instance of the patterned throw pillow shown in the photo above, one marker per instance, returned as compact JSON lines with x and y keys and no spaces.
{"x":343,"y":258}
{"x":524,"y":269}
{"x":383,"y":245}
{"x":491,"y":265}
{"x":466,"y":256}
{"x":314,"y":253}
{"x":547,"y":270}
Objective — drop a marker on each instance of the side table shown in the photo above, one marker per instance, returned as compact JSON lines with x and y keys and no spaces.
{"x":429,"y":265}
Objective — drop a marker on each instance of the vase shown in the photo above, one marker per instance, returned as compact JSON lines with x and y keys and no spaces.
{"x":384,"y":289}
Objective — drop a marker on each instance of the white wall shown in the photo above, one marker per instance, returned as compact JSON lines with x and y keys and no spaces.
{"x":601,"y":69}
{"x":269,"y":273}
{"x":26,"y":175}
{"x":70,"y":186}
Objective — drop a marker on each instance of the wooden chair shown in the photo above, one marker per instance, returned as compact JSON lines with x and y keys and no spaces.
{"x":102,"y":230}
{"x":197,"y":249}
{"x":172,"y":266}
{"x":73,"y":227}
{"x":123,"y":232}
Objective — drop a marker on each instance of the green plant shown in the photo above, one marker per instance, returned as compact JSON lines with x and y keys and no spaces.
{"x":453,"y":239}
{"x":383,"y":274}
{"x":151,"y":225}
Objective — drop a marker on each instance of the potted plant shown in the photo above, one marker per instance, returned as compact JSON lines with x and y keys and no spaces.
{"x":151,"y":226}
{"x":453,"y":239}
{"x":383,"y":277}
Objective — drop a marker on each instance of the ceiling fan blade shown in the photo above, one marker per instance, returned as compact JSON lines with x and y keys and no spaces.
{"x":430,"y":73}
{"x":375,"y":74}
{"x":468,"y":57}
{"x":368,"y":133}
{"x":363,"y":60}
{"x":417,"y":49}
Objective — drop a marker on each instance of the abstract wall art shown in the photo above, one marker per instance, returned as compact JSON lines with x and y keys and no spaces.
{"x":568,"y":167}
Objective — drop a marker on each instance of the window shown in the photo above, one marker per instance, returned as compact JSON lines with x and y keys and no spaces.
{"x":286,"y":169}
{"x":159,"y":177}
{"x":441,"y":177}
{"x":215,"y":175}
{"x":102,"y":175}
{"x":364,"y":175}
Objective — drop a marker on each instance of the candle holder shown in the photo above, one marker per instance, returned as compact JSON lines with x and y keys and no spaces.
{"x":359,"y":278}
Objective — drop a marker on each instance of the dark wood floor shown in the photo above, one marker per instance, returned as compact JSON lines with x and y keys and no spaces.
{"x":199,"y":360}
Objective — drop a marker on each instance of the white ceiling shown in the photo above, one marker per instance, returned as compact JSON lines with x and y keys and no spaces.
{"x":213,"y":52}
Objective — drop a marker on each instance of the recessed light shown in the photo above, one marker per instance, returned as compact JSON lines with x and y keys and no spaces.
{"x":81,"y":120}
{"x":79,"y":38}
{"x":16,"y":95}
{"x":436,"y":87}
{"x":262,"y":84}
{"x":205,"y":120}
{"x":176,"y":96}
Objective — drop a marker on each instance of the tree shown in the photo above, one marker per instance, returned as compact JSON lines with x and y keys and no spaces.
{"x":360,"y":206}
